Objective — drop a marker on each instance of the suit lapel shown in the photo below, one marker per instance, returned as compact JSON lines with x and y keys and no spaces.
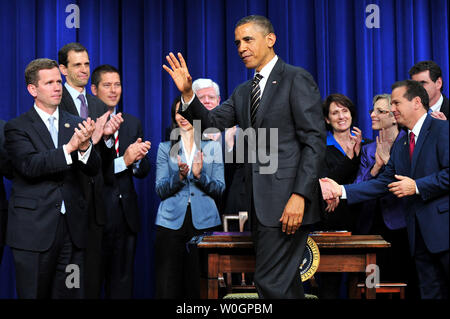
{"x":271,"y":87}
{"x":65,"y":129}
{"x":246,"y":105}
{"x":40,"y":128}
{"x":67,"y":103}
{"x":424,"y":131}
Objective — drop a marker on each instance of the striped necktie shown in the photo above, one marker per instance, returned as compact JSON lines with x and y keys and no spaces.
{"x":255,"y":97}
{"x":116,"y":143}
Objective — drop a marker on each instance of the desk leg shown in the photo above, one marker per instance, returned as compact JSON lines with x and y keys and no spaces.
{"x":213,"y":271}
{"x":371,"y":258}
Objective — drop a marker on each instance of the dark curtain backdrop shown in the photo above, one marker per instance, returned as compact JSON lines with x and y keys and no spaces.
{"x":328,"y":38}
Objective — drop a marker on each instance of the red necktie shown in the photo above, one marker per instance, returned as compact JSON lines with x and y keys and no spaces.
{"x":412,"y":144}
{"x":116,"y":144}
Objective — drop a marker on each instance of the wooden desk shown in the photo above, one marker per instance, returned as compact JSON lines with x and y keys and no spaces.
{"x":233,"y":252}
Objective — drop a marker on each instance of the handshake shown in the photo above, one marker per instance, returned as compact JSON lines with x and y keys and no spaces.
{"x":332,"y":191}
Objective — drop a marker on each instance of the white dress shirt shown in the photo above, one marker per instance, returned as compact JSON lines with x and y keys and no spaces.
{"x":437,"y":107}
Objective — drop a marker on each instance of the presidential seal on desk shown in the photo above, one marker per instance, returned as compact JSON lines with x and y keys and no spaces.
{"x":310,"y":260}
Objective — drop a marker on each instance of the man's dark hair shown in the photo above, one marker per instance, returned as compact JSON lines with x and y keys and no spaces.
{"x":261,"y":21}
{"x":33,"y":68}
{"x":340,"y":99}
{"x":413,"y":89}
{"x":102,"y":69}
{"x":64,"y":51}
{"x":435,"y":70}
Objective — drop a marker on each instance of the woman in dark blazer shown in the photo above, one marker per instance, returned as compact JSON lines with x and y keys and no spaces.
{"x":188,"y":179}
{"x":344,"y":142}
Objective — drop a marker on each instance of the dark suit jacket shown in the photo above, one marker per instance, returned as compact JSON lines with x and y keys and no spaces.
{"x":5,"y":171}
{"x":120,"y":187}
{"x":42,"y":180}
{"x":429,"y":168}
{"x":445,"y":107}
{"x":391,"y":208}
{"x":291,"y":105}
{"x":96,"y":108}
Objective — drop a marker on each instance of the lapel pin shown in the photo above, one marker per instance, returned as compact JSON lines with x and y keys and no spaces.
{"x":274,"y":82}
{"x":67,"y":125}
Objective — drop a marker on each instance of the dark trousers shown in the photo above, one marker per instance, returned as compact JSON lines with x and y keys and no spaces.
{"x":395,"y":263}
{"x":93,"y":257}
{"x":118,"y":252}
{"x":278,"y":258}
{"x":43,"y":274}
{"x":432,"y":269}
{"x":177,"y":269}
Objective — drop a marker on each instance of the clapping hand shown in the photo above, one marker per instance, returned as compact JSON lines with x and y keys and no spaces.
{"x":438,"y":115}
{"x":136,"y":151}
{"x":183,"y":168}
{"x":197,"y":164}
{"x":357,"y":139}
{"x":81,"y":137}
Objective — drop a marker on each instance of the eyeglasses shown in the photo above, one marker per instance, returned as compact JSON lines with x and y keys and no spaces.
{"x":378,"y":111}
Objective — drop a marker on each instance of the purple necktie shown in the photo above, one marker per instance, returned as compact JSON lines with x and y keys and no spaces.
{"x":83,"y":108}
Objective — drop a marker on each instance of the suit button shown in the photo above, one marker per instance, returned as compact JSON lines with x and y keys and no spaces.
{"x":192,"y":194}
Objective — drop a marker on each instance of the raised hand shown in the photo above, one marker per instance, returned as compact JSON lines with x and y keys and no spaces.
{"x":197,"y":164}
{"x":404,"y":187}
{"x":330,"y":189}
{"x":180,"y":75}
{"x":357,"y":139}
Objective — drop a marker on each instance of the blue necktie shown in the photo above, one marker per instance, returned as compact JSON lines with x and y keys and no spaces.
{"x":53,"y":131}
{"x":54,"y":135}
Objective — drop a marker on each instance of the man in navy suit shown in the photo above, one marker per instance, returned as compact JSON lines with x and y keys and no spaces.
{"x":417,"y":171}
{"x":283,"y":102}
{"x":47,"y":216}
{"x":74,"y":64}
{"x":429,"y":74}
{"x":119,"y":195}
